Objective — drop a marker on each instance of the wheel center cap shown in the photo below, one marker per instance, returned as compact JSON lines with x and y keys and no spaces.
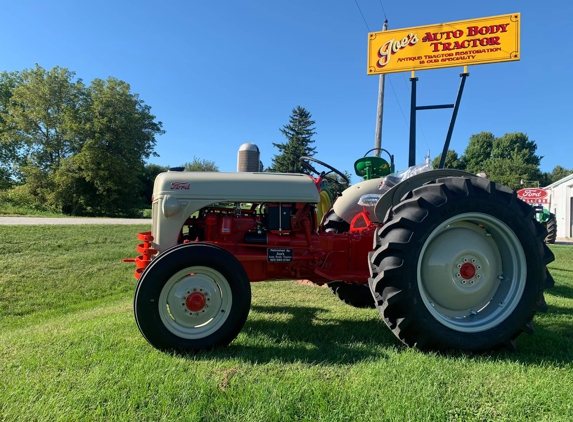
{"x":195,"y":302}
{"x":467,"y":271}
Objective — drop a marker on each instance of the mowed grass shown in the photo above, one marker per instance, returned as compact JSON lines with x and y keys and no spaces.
{"x":70,"y":350}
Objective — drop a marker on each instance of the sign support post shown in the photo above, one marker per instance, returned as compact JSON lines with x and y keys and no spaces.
{"x":414,"y":108}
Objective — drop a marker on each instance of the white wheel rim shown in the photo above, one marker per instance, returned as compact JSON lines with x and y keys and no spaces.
{"x":472,"y":272}
{"x":187,"y":318}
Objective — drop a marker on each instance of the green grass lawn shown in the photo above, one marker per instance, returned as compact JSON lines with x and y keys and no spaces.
{"x":70,"y":350}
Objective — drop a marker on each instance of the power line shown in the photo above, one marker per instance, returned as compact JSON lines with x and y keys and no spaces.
{"x":383,"y":11}
{"x":398,"y":101}
{"x":361,"y":14}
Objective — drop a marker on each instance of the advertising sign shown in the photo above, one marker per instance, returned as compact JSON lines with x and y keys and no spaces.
{"x":533,"y":195}
{"x":469,"y":42}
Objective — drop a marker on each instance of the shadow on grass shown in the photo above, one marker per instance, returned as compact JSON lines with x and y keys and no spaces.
{"x":341,"y":341}
{"x":560,"y":269}
{"x":561,"y":291}
{"x":308,"y":338}
{"x":551,"y":344}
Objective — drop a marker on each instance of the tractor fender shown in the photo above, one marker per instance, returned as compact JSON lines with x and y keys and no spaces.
{"x":346,"y":206}
{"x":394,"y":195}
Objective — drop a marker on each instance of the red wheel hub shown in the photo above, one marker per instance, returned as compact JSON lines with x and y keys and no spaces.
{"x":467,"y":271}
{"x":195,"y":302}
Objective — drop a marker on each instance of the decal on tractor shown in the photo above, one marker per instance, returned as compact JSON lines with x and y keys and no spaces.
{"x":279,"y":255}
{"x":180,"y":186}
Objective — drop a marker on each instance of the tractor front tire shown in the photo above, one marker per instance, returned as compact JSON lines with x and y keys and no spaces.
{"x":353,"y":294}
{"x":551,"y":227}
{"x":460,"y":263}
{"x":192,"y":297}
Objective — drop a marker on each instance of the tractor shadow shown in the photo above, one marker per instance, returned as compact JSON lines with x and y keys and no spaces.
{"x":552,"y":341}
{"x":561,"y":291}
{"x":295,"y":334}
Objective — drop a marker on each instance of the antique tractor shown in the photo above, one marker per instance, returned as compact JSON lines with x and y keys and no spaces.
{"x":548,"y":220}
{"x":450,"y":260}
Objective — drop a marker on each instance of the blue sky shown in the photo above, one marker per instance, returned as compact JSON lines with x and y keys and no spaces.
{"x":221,"y":73}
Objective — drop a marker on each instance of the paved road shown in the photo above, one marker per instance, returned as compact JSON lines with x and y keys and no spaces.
{"x":39,"y":221}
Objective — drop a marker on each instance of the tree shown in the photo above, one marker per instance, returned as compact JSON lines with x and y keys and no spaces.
{"x":558,"y":173}
{"x":336,"y":188}
{"x":118,"y":132}
{"x":299,"y":134}
{"x":477,"y":152}
{"x":506,"y":160}
{"x":200,"y":165}
{"x":79,"y":149}
{"x":452,"y":161}
{"x":9,"y":157}
{"x":150,"y":172}
{"x":510,"y":171}
{"x":517,"y":144}
{"x":39,"y":119}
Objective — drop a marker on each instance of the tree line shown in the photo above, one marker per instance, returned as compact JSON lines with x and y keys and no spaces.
{"x":510,"y":160}
{"x":77,"y":148}
{"x":82,"y":149}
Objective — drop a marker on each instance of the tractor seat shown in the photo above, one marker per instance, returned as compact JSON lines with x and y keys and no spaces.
{"x":371,"y":167}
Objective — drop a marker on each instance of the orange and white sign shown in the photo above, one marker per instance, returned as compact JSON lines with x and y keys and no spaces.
{"x":469,"y":42}
{"x":533,"y":195}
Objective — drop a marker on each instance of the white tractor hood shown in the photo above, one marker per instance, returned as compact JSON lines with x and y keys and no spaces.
{"x":236,"y":187}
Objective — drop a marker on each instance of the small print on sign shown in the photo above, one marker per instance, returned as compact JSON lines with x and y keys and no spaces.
{"x":279,"y":255}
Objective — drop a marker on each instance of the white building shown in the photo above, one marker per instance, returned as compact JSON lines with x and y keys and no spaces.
{"x":561,"y":204}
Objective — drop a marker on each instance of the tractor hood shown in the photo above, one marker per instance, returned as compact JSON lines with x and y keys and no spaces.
{"x":236,"y":187}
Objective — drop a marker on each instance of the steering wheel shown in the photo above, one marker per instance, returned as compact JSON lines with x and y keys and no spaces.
{"x":305,"y":163}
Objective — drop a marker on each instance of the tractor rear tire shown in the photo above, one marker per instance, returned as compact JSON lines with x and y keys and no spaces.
{"x":353,"y":294}
{"x":460,"y":264}
{"x":334,"y":224}
{"x":192,"y":297}
{"x":551,"y":227}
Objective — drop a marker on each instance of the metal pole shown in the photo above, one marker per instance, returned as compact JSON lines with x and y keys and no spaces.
{"x":380,"y":109}
{"x":412,"y":155}
{"x":454,"y":115}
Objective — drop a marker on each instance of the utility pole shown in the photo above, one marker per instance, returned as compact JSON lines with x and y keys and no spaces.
{"x":380,"y":110}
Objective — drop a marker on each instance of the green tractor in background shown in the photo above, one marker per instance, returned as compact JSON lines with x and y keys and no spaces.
{"x":547,"y":219}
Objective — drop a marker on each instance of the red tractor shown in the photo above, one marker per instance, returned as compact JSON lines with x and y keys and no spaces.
{"x":450,"y":260}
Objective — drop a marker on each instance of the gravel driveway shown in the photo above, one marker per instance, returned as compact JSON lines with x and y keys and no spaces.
{"x":40,"y":221}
